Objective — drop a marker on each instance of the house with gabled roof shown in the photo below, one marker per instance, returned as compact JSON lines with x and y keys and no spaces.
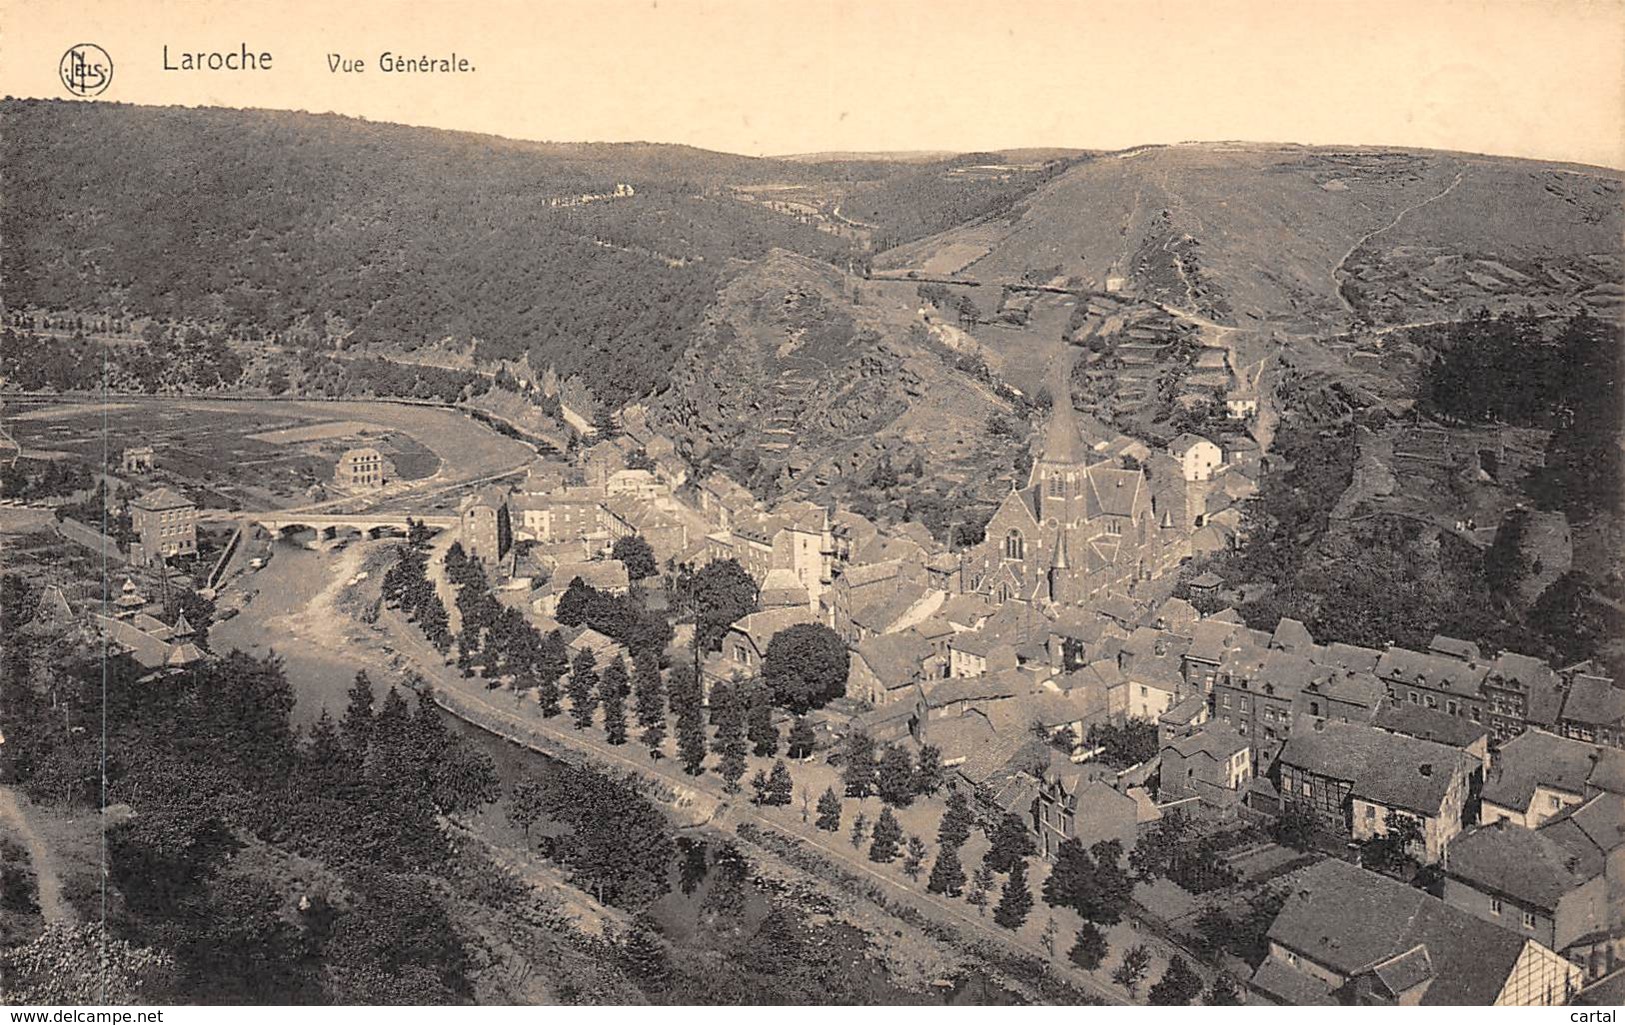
{"x":1562,"y":884}
{"x":1536,"y":775}
{"x":885,"y":668}
{"x":1350,"y":936}
{"x":1203,"y":761}
{"x":1594,"y":711}
{"x":1353,"y":776}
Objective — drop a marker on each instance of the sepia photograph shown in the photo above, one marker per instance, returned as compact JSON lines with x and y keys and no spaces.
{"x":892,"y":504}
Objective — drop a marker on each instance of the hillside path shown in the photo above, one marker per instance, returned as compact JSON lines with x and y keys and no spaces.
{"x":12,"y":815}
{"x":1337,"y":270}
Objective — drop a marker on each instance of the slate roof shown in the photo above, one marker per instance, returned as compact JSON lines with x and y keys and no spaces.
{"x":869,"y":573}
{"x":961,"y":736}
{"x":1532,"y":866}
{"x":1594,"y":701}
{"x":1352,"y":921}
{"x":603,"y":574}
{"x":1438,"y":672}
{"x":1427,"y":723}
{"x":1350,"y":687}
{"x":1533,"y":759}
{"x":761,"y":626}
{"x":987,"y":687}
{"x":1455,"y":648}
{"x":1291,"y":635}
{"x":1599,"y":821}
{"x":1120,"y":608}
{"x":1177,"y":616}
{"x":1185,"y":442}
{"x":1283,"y":982}
{"x":1386,"y":768}
{"x":1216,"y":740}
{"x":897,"y":659}
{"x":161,"y":498}
{"x":1186,"y":710}
{"x":966,"y":609}
{"x":1348,"y":656}
{"x":1209,"y":640}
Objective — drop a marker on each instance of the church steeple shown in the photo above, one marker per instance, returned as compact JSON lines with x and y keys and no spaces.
{"x":1058,"y":476}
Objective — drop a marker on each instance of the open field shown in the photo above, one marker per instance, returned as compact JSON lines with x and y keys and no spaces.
{"x":267,"y":453}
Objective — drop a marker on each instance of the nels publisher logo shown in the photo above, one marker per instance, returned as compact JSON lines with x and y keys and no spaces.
{"x":86,"y":69}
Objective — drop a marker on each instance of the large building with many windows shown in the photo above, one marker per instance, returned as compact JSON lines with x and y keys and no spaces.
{"x":165,"y":524}
{"x":1083,"y":527}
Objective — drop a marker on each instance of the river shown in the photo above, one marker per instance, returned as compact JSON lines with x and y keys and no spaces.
{"x":293,"y":613}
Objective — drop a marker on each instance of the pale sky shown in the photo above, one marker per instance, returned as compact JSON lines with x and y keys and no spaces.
{"x":1538,"y":79}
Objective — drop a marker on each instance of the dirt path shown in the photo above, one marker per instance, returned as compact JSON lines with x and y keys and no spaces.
{"x":1337,"y":270}
{"x":13,"y":816}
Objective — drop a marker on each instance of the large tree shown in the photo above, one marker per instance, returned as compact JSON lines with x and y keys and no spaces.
{"x":612,"y":688}
{"x":717,"y":595}
{"x":1009,"y":844}
{"x":887,"y":835}
{"x":651,"y":701}
{"x":1016,"y":900}
{"x":894,"y":777}
{"x":583,"y":689}
{"x":806,"y":665}
{"x":829,"y":811}
{"x":634,"y":552}
{"x":947,"y":874}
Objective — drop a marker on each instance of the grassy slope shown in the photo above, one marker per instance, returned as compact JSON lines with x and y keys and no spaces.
{"x":1272,"y":223}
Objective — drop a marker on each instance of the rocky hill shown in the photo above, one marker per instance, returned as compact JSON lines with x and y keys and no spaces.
{"x":792,"y":384}
{"x":1306,"y":239}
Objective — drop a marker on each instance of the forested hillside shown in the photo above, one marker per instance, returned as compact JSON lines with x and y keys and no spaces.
{"x":321,"y":228}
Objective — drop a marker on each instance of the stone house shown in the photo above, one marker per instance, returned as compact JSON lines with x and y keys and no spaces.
{"x":1349,"y":936}
{"x":165,"y":525}
{"x":1562,"y":884}
{"x":485,"y":525}
{"x":1353,"y":776}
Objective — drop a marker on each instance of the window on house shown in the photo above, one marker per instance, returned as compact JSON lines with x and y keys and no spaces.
{"x":1433,"y":702}
{"x":1452,"y":708}
{"x":1308,"y":788}
{"x":1143,"y":691}
{"x":1556,"y":802}
{"x":1314,"y":708}
{"x":1370,"y":811}
{"x":1057,"y":487}
{"x":1495,"y":905}
{"x":1015,"y":547}
{"x":1474,"y":712}
{"x":1291,"y":958}
{"x":1528,"y":919}
{"x":1114,"y":525}
{"x":1414,"y":700}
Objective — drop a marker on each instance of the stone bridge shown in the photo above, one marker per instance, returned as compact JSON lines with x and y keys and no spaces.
{"x":330,"y":523}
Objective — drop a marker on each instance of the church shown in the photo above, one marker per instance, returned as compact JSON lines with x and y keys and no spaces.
{"x":1083,"y":527}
